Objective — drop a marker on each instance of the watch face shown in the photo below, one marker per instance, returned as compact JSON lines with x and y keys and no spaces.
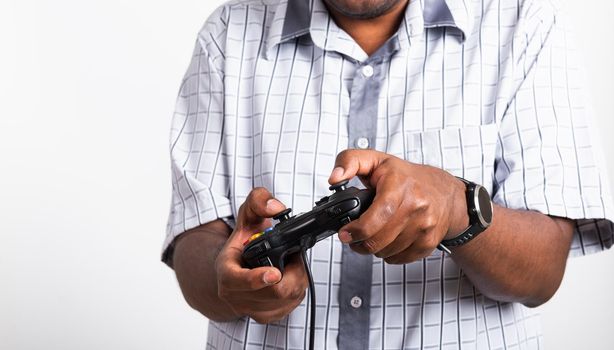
{"x":484,"y":206}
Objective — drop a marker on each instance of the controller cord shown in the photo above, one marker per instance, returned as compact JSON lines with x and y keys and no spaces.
{"x":312,"y":300}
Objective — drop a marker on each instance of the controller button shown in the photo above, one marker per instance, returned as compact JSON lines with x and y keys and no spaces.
{"x":342,"y":207}
{"x":268,"y":229}
{"x":253,"y":237}
{"x":345,"y":220}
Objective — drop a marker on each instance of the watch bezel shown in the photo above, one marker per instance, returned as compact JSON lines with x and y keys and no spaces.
{"x":477,"y":191}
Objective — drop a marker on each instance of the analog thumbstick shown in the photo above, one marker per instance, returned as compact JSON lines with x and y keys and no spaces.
{"x":339,"y":186}
{"x":283,"y":215}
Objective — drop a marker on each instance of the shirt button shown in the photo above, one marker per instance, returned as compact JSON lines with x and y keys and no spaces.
{"x":356,"y":302}
{"x":367,"y":71}
{"x":362,"y":142}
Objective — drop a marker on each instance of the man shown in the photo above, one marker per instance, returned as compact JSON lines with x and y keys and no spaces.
{"x":420,"y":100}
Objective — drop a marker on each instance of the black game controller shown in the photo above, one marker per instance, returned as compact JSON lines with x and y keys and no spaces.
{"x":294,"y":234}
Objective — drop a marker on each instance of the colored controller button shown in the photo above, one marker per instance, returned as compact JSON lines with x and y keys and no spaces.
{"x":256,"y":235}
{"x":253,"y":237}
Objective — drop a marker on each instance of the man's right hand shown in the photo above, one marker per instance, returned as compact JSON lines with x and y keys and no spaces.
{"x":261,"y":293}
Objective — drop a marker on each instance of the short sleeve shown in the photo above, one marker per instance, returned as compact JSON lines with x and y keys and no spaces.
{"x":200,"y":175}
{"x":548,"y":158}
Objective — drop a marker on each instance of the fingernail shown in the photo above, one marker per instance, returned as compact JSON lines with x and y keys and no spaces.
{"x":337,"y":173}
{"x":345,"y":237}
{"x":273,"y":204}
{"x":270,"y":277}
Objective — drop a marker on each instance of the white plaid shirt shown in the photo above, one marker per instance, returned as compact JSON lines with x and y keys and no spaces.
{"x":487,"y":90}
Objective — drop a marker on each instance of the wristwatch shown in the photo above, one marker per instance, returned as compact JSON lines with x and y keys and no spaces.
{"x":479,"y":208}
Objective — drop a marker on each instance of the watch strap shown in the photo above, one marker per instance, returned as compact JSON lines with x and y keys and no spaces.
{"x":474,"y":228}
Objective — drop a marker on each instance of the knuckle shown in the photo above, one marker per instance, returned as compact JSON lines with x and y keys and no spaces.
{"x":257,"y":191}
{"x":421,"y":204}
{"x":388,"y":208}
{"x":410,"y":203}
{"x":371,"y":246}
{"x":344,"y":155}
{"x":427,"y":223}
{"x":256,"y":197}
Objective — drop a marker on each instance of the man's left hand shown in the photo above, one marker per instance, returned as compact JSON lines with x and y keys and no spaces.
{"x":414,"y":209}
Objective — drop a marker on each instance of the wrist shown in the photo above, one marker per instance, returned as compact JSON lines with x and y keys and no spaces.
{"x":459,"y":217}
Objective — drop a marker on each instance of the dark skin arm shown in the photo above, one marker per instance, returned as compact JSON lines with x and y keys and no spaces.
{"x":520,"y":258}
{"x":207,"y":262}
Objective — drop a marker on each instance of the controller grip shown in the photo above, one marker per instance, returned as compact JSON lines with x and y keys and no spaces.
{"x":271,"y":258}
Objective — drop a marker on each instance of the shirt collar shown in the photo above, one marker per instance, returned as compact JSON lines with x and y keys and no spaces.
{"x":447,"y":13}
{"x":295,"y":18}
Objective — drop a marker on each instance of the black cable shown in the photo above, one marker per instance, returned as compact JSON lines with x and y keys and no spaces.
{"x":312,"y":300}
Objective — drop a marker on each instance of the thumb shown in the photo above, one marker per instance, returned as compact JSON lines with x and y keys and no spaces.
{"x":254,"y":215}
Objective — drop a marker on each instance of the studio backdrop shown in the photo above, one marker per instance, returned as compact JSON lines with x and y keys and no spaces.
{"x":87,"y":89}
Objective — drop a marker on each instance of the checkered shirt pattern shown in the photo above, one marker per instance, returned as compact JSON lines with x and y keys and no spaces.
{"x":494,"y":96}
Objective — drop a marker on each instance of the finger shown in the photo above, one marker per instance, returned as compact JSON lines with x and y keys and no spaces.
{"x":254,"y":216}
{"x":392,"y":238}
{"x":383,"y":210}
{"x":412,"y":228}
{"x":295,"y":277}
{"x":275,"y":314}
{"x":292,"y":285}
{"x":400,"y":243}
{"x":352,"y":162}
{"x":250,"y":302}
{"x":259,"y":205}
{"x":233,"y":277}
{"x":412,"y":253}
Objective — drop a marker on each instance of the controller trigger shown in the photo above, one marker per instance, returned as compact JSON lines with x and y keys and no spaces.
{"x":322,"y":200}
{"x":339,"y":186}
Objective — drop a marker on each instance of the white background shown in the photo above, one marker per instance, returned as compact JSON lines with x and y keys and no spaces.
{"x":87,"y":89}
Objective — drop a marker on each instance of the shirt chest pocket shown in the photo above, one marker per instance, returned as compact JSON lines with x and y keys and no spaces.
{"x":467,"y":152}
